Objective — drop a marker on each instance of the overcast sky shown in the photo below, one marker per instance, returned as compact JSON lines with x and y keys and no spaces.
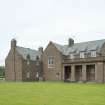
{"x":34,"y":23}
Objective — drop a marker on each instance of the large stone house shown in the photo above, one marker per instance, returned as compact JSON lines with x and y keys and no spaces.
{"x":75,"y":62}
{"x":23,"y":64}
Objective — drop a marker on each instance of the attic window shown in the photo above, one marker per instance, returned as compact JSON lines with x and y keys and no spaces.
{"x":50,"y":62}
{"x":71,"y":56}
{"x":93,"y":53}
{"x":82,"y":54}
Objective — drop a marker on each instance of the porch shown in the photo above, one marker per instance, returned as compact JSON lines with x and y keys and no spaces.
{"x":83,"y":73}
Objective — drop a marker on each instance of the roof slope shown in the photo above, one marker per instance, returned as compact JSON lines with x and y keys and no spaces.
{"x":79,"y":47}
{"x":27,"y":51}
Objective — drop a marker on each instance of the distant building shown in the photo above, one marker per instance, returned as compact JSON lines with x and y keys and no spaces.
{"x":23,"y":64}
{"x":75,"y":61}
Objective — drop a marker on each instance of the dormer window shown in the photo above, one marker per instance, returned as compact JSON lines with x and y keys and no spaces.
{"x":82,"y":54}
{"x":71,"y":56}
{"x":93,"y":53}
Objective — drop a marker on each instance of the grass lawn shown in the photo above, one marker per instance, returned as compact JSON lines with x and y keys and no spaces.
{"x":51,"y":93}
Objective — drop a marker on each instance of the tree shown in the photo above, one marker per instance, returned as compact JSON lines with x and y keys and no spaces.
{"x":2,"y":71}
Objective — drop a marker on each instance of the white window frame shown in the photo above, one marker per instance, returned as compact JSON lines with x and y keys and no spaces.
{"x":93,"y":54}
{"x":71,"y":56}
{"x":82,"y":54}
{"x":28,"y":75}
{"x":50,"y":62}
{"x":37,"y":75}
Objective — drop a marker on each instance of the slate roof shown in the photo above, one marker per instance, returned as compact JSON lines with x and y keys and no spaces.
{"x":80,"y":47}
{"x":27,"y":51}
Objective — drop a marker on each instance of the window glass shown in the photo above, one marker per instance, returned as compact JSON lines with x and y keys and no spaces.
{"x":50,"y":62}
{"x":71,"y":56}
{"x":93,"y":53}
{"x":82,"y":55}
{"x":28,"y":74}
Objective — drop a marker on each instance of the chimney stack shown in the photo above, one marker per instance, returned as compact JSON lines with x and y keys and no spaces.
{"x":13,"y":43}
{"x":70,"y":42}
{"x":41,"y":49}
{"x":28,"y":57}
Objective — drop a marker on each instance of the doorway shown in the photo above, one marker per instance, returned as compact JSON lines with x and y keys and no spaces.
{"x":90,"y":72}
{"x":67,"y":73}
{"x":78,"y":73}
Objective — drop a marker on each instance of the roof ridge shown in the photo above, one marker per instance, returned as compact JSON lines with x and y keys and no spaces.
{"x":25,"y":51}
{"x":90,"y":41}
{"x":57,"y":44}
{"x":27,"y":48}
{"x":79,"y":42}
{"x":92,"y":45}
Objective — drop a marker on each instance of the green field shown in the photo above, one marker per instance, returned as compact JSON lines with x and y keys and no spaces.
{"x":51,"y":93}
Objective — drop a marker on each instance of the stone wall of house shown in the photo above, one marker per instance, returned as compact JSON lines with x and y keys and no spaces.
{"x":31,"y":69}
{"x":13,"y":65}
{"x":28,"y":68}
{"x":99,"y":77}
{"x":55,"y":72}
{"x":18,"y":67}
{"x":9,"y":67}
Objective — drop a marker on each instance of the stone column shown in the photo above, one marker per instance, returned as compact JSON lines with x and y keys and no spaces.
{"x":84,"y":78}
{"x":72,"y":73}
{"x":96,"y":72}
{"x":99,"y":72}
{"x":63,"y":77}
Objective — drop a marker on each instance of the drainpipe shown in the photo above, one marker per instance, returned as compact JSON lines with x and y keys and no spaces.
{"x":14,"y":66}
{"x":13,"y":48}
{"x":103,"y":68}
